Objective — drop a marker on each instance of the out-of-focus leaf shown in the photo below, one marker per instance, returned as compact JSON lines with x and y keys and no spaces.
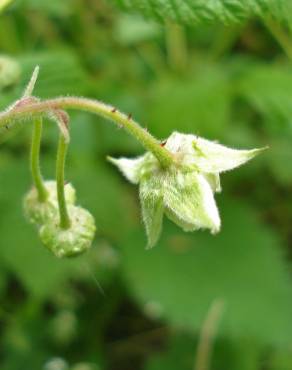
{"x":180,"y":354}
{"x":103,"y":194}
{"x":269,"y":89}
{"x":23,"y":341}
{"x":4,"y":4}
{"x":281,"y":360}
{"x":66,"y":76}
{"x":53,"y":7}
{"x":279,"y":158}
{"x":182,"y":349}
{"x":86,"y":366}
{"x":239,"y":354}
{"x":132,"y":29}
{"x":199,"y":105}
{"x":55,"y":78}
{"x":196,"y":11}
{"x":242,"y":266}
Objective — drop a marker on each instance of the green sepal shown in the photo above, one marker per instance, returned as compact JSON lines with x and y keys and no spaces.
{"x":151,"y":199}
{"x":73,"y":241}
{"x":38,"y":212}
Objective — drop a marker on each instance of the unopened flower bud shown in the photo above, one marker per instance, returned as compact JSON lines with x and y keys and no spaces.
{"x":40,"y":212}
{"x":72,"y":241}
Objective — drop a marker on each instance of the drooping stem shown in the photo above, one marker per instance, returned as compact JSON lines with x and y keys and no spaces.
{"x":31,"y":109}
{"x":35,"y":160}
{"x":65,"y":222}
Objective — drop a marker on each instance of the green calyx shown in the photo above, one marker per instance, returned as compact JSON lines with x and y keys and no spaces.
{"x":38,"y":212}
{"x":185,"y":190}
{"x":72,"y":241}
{"x":68,"y":242}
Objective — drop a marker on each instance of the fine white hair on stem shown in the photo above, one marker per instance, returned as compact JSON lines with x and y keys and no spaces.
{"x":207,"y":335}
{"x":62,"y":119}
{"x":30,"y":86}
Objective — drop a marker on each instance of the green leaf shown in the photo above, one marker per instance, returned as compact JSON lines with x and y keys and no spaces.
{"x":180,"y":354}
{"x":53,"y":7}
{"x":279,"y":159}
{"x":102,"y":193}
{"x":268,"y":88}
{"x":281,"y":360}
{"x":132,"y":30}
{"x":198,"y":105}
{"x":196,"y":11}
{"x":241,"y":265}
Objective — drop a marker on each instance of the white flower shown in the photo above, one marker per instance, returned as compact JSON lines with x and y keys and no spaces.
{"x":185,"y":190}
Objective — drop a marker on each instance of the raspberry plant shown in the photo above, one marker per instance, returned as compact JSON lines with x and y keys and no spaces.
{"x":177,"y":176}
{"x":225,"y":77}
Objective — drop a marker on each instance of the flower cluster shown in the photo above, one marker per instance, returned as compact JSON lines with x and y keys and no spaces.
{"x":65,"y":229}
{"x":177,"y":177}
{"x":184,"y":191}
{"x":68,"y":242}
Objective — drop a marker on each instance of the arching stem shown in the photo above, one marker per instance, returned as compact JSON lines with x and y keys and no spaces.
{"x":31,"y":109}
{"x":65,"y":222}
{"x":35,"y":160}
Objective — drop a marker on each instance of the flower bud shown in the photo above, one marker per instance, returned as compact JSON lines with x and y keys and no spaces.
{"x":72,"y":241}
{"x":40,"y":212}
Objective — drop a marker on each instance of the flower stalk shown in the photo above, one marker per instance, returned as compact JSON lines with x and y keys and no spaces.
{"x":31,"y":109}
{"x":35,"y":160}
{"x":65,"y":222}
{"x":177,"y":177}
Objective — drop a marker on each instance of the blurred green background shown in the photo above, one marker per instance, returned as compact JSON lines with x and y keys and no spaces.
{"x":120,"y":307}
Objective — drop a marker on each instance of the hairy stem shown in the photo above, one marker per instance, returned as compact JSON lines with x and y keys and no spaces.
{"x":31,"y":109}
{"x":65,"y":222}
{"x":35,"y":160}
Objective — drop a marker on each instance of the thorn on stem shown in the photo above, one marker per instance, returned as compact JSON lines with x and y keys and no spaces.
{"x":114,"y":110}
{"x":129,"y":116}
{"x":163,"y":143}
{"x":30,"y":86}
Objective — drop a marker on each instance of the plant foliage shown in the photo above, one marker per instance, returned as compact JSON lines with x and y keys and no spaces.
{"x":225,"y":77}
{"x":191,"y":12}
